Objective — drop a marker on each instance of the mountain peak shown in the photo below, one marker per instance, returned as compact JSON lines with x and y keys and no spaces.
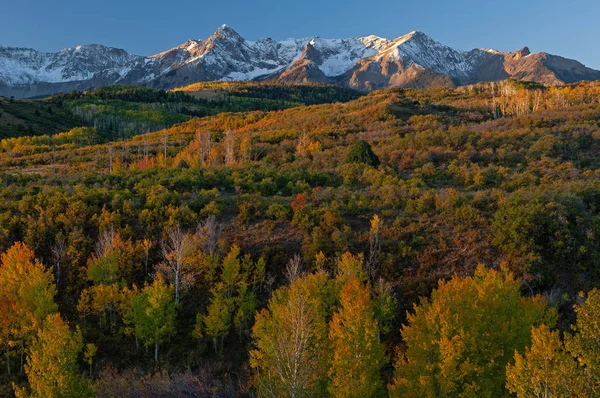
{"x":522,"y":53}
{"x":417,"y":34}
{"x":226,"y":31}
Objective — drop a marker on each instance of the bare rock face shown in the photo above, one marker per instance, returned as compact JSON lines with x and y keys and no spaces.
{"x":365,"y":63}
{"x":522,"y":53}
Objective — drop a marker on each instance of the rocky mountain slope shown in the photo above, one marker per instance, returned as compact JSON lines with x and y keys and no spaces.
{"x":367,"y":63}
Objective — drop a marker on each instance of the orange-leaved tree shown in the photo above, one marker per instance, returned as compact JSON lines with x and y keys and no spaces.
{"x":358,"y":355}
{"x":29,"y":288}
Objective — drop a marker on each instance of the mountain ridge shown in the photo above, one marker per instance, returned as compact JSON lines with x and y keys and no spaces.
{"x":365,"y":63}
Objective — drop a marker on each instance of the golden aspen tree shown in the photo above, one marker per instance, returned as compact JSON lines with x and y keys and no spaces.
{"x":217,"y":321}
{"x":104,"y":271}
{"x":358,"y":355}
{"x":214,"y":157}
{"x":154,"y":314}
{"x":550,"y":368}
{"x":374,"y":258}
{"x":460,"y":341}
{"x":230,"y":270}
{"x":303,"y":143}
{"x":291,"y":355}
{"x":7,"y":317}
{"x":127,"y":311}
{"x":25,"y":281}
{"x":246,"y":303}
{"x":29,"y":287}
{"x":584,"y":345}
{"x":52,"y":365}
{"x":245,"y":148}
{"x":89,"y":354}
{"x":545,"y":370}
{"x":349,"y":265}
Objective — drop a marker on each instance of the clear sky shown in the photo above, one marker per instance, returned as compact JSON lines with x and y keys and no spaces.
{"x":568,"y":28}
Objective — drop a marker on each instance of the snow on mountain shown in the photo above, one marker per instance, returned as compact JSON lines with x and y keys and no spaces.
{"x":339,"y":55}
{"x":366,"y":62}
{"x":223,"y":56}
{"x":416,"y":47}
{"x":376,"y":42}
{"x":26,"y":66}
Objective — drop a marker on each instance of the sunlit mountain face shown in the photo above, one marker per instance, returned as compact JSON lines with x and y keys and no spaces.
{"x":365,"y":63}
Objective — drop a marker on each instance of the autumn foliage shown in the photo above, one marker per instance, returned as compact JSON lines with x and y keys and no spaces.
{"x":304,"y":241}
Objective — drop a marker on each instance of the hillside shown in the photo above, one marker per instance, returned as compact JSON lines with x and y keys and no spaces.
{"x":19,"y":118}
{"x":299,"y":94}
{"x":329,"y":199}
{"x":124,"y":111}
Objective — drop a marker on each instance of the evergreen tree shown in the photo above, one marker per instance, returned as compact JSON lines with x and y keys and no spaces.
{"x":362,"y":152}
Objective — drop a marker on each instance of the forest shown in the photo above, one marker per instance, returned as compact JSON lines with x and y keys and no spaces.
{"x":242,"y":240}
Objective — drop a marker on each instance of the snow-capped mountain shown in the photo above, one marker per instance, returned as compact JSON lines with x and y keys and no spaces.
{"x":26,"y":66}
{"x":371,"y":62}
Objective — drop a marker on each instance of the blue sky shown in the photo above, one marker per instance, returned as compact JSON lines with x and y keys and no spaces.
{"x":146,"y":27}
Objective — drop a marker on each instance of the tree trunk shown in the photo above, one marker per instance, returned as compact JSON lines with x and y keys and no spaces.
{"x":176,"y":288}
{"x":57,"y":275}
{"x":8,"y":362}
{"x":156,"y":351}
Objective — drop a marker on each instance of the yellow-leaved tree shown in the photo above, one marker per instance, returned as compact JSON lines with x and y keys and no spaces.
{"x":292,"y":354}
{"x":550,"y":368}
{"x":28,"y":290}
{"x":358,"y":355}
{"x":584,"y":345}
{"x":52,"y":365}
{"x":545,"y":370}
{"x":153,"y":313}
{"x":461,"y":340}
